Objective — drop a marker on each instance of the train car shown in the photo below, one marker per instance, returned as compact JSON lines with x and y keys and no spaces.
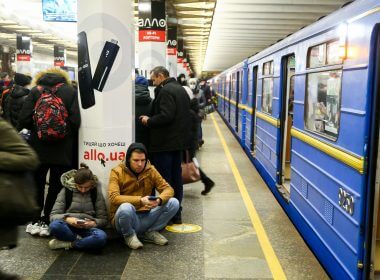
{"x":308,"y":118}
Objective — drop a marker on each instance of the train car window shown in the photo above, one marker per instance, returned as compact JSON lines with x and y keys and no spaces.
{"x":322,"y":106}
{"x":268,"y":68}
{"x":324,"y":54}
{"x":317,"y":56}
{"x":267,"y":96}
{"x":333,"y":53}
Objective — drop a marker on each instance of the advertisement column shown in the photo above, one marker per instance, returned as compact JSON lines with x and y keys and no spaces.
{"x":152,"y":35}
{"x":105,"y":78}
{"x":172,"y":51}
{"x":23,"y":54}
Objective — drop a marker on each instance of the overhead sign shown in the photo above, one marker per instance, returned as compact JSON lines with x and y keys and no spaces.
{"x":152,"y":21}
{"x":23,"y":50}
{"x":59,"y":55}
{"x":172,"y":41}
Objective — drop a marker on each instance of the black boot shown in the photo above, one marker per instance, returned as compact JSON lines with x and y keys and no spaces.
{"x":209,"y":184}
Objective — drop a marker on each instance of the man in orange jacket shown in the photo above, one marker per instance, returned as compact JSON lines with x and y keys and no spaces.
{"x":133,"y":211}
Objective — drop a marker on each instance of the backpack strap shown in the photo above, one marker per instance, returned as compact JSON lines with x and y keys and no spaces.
{"x":69,"y":198}
{"x":94,"y":195}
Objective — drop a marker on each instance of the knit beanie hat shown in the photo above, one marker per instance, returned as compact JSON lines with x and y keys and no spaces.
{"x":22,"y":80}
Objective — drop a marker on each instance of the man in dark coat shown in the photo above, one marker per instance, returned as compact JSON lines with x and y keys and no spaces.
{"x":15,"y":99}
{"x":143,"y":107}
{"x":168,"y":125}
{"x":54,"y":155}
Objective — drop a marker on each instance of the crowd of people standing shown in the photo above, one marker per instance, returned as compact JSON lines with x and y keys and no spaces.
{"x":145,"y":190}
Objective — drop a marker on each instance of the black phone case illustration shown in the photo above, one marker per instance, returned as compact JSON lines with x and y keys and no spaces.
{"x":84,"y":73}
{"x":106,"y":60}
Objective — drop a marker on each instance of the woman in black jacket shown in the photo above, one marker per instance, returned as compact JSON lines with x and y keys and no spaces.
{"x":14,"y":101}
{"x":55,"y":155}
{"x":193,"y":143}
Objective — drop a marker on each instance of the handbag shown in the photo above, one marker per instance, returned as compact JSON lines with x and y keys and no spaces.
{"x":190,"y":171}
{"x":18,"y":204}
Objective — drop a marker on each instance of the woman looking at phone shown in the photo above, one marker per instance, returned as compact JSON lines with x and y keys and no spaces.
{"x":78,"y":212}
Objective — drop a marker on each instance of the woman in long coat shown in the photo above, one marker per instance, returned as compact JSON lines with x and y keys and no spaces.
{"x":15,"y":155}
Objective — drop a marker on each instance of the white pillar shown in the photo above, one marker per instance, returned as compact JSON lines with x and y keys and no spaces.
{"x":108,"y":127}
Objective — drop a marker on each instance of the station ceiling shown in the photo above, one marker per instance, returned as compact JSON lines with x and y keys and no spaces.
{"x":217,"y":34}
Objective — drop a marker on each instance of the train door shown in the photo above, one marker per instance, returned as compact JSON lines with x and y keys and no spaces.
{"x":372,"y":257}
{"x":254,"y":106}
{"x":288,"y":70}
{"x":230,"y":89}
{"x":239,"y":78}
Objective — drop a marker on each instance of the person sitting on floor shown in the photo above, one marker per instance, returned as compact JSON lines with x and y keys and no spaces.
{"x":133,"y":211}
{"x":78,"y":212}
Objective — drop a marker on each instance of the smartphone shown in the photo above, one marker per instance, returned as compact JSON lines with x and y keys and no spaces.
{"x":86,"y":90}
{"x":152,"y":197}
{"x":81,"y":222}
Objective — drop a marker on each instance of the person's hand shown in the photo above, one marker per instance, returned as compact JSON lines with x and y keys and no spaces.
{"x":72,"y":221}
{"x":89,"y":224}
{"x":149,"y":204}
{"x":144,"y":120}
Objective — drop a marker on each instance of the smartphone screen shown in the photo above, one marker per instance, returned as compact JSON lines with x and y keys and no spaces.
{"x":81,"y":222}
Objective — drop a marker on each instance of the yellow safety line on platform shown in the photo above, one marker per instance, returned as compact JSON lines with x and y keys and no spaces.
{"x":270,"y":255}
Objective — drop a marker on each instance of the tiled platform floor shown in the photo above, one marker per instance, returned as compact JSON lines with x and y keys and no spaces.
{"x":226,"y":248}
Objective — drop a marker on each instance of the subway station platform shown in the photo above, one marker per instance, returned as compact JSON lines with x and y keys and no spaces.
{"x":245,"y":233}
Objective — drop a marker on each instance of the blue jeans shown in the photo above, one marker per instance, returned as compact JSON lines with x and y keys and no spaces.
{"x":92,"y":239}
{"x":128,"y":221}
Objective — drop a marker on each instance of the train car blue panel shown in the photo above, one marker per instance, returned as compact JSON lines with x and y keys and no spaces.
{"x":337,"y":269}
{"x":330,"y":132}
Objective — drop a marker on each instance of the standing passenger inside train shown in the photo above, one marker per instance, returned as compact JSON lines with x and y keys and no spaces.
{"x":168,"y":130}
{"x":133,"y":211}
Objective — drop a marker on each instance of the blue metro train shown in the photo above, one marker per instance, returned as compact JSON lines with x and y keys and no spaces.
{"x":306,"y":111}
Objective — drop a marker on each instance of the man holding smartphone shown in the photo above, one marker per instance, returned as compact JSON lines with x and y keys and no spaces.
{"x":133,"y":211}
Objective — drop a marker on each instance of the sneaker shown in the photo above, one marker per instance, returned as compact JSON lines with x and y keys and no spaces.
{"x":44,"y":230}
{"x":133,"y":242}
{"x":59,"y":244}
{"x":34,"y":229}
{"x":155,"y":237}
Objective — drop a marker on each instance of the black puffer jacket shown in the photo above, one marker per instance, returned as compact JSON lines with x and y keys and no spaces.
{"x":170,"y":118}
{"x":58,"y":152}
{"x":13,"y":104}
{"x":143,"y":107}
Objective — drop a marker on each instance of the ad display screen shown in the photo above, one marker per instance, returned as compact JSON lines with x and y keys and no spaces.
{"x":59,"y":10}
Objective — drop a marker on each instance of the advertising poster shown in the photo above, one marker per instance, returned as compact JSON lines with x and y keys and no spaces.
{"x":105,"y":77}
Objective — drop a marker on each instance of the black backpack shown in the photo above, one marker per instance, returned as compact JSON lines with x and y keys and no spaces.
{"x":69,"y":198}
